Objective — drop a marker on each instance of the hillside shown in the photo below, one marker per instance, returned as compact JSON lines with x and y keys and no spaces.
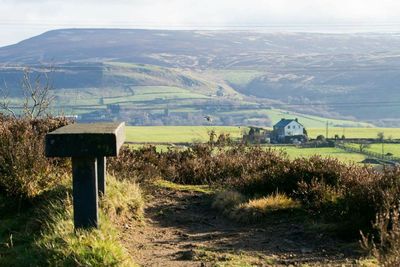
{"x":351,"y":76}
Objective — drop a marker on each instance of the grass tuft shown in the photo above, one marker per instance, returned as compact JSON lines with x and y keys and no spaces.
{"x":123,"y":200}
{"x":235,"y":206}
{"x":274,"y":202}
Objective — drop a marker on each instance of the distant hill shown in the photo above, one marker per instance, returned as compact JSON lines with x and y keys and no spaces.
{"x":207,"y":49}
{"x":333,"y":75}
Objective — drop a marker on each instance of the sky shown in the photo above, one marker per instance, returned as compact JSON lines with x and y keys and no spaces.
{"x":21,"y":19}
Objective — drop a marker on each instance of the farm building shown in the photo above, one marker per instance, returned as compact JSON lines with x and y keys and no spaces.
{"x":257,"y":135}
{"x":289,"y":131}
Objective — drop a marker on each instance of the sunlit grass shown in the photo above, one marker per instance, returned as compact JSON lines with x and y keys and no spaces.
{"x":178,"y":134}
{"x":332,"y":152}
{"x":43,"y":234}
{"x":237,"y":207}
{"x":277,"y":201}
{"x":189,"y":188}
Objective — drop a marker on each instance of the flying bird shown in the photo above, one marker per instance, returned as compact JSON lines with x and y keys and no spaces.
{"x":208,"y":118}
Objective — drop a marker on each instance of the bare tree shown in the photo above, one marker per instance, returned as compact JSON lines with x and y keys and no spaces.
{"x":37,"y":96}
{"x":5,"y":103}
{"x":380,"y":136}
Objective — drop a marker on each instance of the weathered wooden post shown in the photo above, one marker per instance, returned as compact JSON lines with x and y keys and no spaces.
{"x":88,"y":145}
{"x":101,"y":172}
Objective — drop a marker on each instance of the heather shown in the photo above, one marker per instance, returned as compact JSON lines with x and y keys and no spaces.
{"x":356,"y":198}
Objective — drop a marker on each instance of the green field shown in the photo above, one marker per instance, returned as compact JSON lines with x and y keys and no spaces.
{"x":379,"y":148}
{"x":178,"y":134}
{"x":328,"y":152}
{"x":355,"y":132}
{"x":237,"y":77}
{"x":387,"y":148}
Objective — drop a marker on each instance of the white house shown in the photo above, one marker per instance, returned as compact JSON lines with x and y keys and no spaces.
{"x":288,"y":131}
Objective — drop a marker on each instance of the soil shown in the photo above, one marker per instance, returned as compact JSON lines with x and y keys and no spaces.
{"x":181,"y":229}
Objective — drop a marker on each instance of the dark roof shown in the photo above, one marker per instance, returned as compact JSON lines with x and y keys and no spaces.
{"x":283,"y":122}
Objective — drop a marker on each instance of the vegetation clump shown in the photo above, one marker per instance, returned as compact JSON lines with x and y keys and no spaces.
{"x":24,"y":170}
{"x":239,"y":208}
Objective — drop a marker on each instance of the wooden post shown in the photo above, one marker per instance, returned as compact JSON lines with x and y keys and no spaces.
{"x":85,"y":192}
{"x":101,"y":173}
{"x":87,"y":145}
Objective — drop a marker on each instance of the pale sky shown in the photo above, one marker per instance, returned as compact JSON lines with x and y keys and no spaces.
{"x":21,"y":19}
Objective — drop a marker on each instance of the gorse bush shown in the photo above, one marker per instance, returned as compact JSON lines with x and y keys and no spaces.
{"x":24,"y":169}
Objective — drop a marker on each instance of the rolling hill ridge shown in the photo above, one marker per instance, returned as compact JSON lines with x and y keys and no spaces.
{"x":350,"y":76}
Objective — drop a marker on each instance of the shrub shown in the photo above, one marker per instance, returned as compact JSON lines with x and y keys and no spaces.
{"x":137,"y":165}
{"x":316,"y":195}
{"x":24,"y":169}
{"x":385,"y":245}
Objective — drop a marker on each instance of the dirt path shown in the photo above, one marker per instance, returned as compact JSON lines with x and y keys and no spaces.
{"x":181,"y":230}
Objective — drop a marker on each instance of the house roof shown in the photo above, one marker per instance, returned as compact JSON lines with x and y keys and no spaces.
{"x":283,"y":122}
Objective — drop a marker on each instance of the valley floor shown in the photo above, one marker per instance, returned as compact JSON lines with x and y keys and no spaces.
{"x":181,"y":229}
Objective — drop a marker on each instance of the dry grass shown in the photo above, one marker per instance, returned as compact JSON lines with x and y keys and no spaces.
{"x":255,"y":210}
{"x":237,"y":207}
{"x":123,"y":200}
{"x":272,"y":202}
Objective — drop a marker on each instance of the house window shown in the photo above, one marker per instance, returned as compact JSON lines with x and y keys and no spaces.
{"x":288,"y":127}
